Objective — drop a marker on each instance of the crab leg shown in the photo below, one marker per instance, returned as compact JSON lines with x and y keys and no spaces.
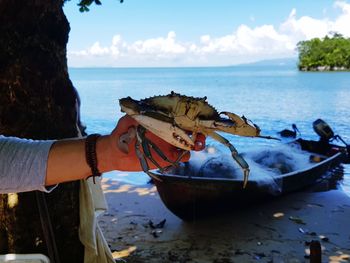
{"x":146,"y":144}
{"x":238,"y":158}
{"x":142,"y":156}
{"x":161,"y":154}
{"x":144,"y":163}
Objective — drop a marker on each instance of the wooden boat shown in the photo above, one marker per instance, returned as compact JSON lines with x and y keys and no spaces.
{"x":191,"y":198}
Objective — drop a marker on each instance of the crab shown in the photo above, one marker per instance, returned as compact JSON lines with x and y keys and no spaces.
{"x":178,"y":119}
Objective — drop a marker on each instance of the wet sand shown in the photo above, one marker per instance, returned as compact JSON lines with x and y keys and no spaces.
{"x":275,"y":231}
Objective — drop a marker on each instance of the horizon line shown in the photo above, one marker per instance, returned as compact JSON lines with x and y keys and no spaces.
{"x":257,"y":63}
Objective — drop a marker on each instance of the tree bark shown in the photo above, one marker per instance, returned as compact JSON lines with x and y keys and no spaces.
{"x":37,"y":101}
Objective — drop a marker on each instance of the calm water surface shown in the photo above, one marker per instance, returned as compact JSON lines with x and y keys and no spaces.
{"x":273,"y":97}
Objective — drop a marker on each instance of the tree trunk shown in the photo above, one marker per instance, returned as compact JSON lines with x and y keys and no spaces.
{"x":37,"y":101}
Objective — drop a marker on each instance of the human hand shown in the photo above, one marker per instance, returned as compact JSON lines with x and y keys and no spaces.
{"x":123,"y":139}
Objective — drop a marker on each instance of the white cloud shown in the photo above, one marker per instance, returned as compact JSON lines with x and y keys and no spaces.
{"x":243,"y":45}
{"x":304,"y":28}
{"x":97,"y":50}
{"x":162,"y":47}
{"x":342,"y":23}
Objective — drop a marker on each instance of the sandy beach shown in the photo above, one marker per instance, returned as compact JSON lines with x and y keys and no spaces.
{"x":275,"y":231}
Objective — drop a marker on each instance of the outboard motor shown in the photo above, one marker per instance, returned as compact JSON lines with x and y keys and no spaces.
{"x":323,"y":130}
{"x":326,"y":134}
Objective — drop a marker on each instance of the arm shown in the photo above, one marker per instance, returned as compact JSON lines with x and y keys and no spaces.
{"x":27,"y":165}
{"x":67,"y":162}
{"x":23,"y":164}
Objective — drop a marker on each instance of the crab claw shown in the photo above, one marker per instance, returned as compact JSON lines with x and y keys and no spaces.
{"x":167,"y":131}
{"x":237,"y":125}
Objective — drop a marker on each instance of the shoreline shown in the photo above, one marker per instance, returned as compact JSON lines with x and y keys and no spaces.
{"x":275,"y":231}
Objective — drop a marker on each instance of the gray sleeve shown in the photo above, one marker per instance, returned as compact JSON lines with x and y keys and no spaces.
{"x":23,"y":164}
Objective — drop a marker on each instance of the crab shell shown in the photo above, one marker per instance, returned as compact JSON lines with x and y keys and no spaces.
{"x":177,"y":119}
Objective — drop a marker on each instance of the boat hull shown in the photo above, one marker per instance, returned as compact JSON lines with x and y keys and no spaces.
{"x":191,"y":198}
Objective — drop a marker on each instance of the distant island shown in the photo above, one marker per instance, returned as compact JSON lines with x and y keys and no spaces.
{"x":277,"y":62}
{"x":327,"y":54}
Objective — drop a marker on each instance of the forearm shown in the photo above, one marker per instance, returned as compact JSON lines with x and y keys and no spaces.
{"x":67,"y":160}
{"x":27,"y":165}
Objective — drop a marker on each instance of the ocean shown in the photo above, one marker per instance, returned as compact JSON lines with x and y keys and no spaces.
{"x":272,"y":96}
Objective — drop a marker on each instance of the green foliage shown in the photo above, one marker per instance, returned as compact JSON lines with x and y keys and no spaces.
{"x":84,"y":4}
{"x":329,"y":53}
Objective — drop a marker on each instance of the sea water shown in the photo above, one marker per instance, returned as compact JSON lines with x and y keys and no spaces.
{"x":273,"y":97}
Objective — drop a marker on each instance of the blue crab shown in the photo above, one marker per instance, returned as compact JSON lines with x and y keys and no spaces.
{"x":178,"y":119}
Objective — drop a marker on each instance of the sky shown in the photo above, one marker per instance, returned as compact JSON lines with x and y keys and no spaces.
{"x":192,"y":33}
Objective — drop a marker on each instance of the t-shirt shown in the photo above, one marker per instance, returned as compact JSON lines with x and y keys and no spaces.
{"x":23,"y":164}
